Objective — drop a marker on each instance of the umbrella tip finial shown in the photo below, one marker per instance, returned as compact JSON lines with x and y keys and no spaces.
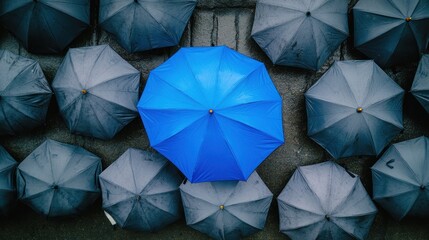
{"x":308,"y":14}
{"x":359,"y":110}
{"x":327,"y":218}
{"x":55,"y":187}
{"x":211,"y":111}
{"x":84,"y":91}
{"x":408,"y":19}
{"x":422,"y":187}
{"x":221,"y":207}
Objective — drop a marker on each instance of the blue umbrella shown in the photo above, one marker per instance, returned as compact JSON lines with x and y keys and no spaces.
{"x":213,"y":112}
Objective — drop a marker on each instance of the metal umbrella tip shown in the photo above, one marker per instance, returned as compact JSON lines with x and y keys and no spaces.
{"x":308,"y":14}
{"x":84,"y":91}
{"x":359,"y":110}
{"x":221,"y":207}
{"x":211,"y":111}
{"x":408,"y":19}
{"x":422,"y":187}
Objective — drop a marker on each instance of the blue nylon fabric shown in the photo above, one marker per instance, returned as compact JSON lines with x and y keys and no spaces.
{"x":244,"y":128}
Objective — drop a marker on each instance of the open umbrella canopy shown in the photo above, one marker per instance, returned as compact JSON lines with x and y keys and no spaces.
{"x":325,"y":201}
{"x":97,"y":91}
{"x":401,"y":179}
{"x":391,"y":31}
{"x":354,"y":109}
{"x":45,"y":26}
{"x":7,"y":182}
{"x":140,"y":25}
{"x":420,"y":87}
{"x":227,"y":209}
{"x":59,"y":179}
{"x":213,"y":112}
{"x":300,"y":33}
{"x":140,"y":191}
{"x":24,"y":94}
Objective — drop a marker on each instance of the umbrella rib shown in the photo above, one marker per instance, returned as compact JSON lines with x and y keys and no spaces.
{"x":347,"y":83}
{"x":149,"y":203}
{"x":273,"y":5}
{"x":68,"y":162}
{"x":35,"y":195}
{"x":200,"y":199}
{"x":101,"y":52}
{"x":395,"y":178}
{"x":162,"y":26}
{"x":8,"y":167}
{"x":348,"y":233}
{"x":311,"y":190}
{"x":30,"y":176}
{"x":247,"y":125}
{"x":370,"y":133}
{"x":406,"y":164}
{"x":396,"y":194}
{"x":113,"y":79}
{"x":240,"y":82}
{"x":397,"y":43}
{"x":274,"y":27}
{"x":15,"y":60}
{"x":178,"y":90}
{"x":153,"y":177}
{"x":344,"y":201}
{"x":113,"y":14}
{"x":78,"y":173}
{"x":49,"y":27}
{"x":19,"y":111}
{"x":7,"y":122}
{"x":290,"y":205}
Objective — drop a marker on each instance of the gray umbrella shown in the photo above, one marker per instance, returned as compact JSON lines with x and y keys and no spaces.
{"x":7,"y":182}
{"x":24,"y":94}
{"x":354,"y":109}
{"x":141,"y":191}
{"x":420,"y":88}
{"x":300,"y":33}
{"x":97,"y":91}
{"x":227,"y":209}
{"x":391,"y":31}
{"x":140,"y":25}
{"x":58,"y":179}
{"x":401,"y":179}
{"x":325,"y":201}
{"x":45,"y":26}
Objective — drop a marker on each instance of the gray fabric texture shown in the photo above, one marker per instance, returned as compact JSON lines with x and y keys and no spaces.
{"x":97,"y":91}
{"x":7,"y":182}
{"x":140,"y":191}
{"x":140,"y":25}
{"x":58,"y":179}
{"x":391,"y":32}
{"x":400,"y":179}
{"x":324,"y":201}
{"x":334,"y":101}
{"x":420,"y":87}
{"x":300,"y":33}
{"x":24,"y":94}
{"x":227,"y":209}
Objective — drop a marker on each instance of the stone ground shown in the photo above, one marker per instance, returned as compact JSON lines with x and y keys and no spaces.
{"x":222,"y":22}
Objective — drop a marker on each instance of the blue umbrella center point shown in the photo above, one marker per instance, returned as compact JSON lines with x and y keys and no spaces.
{"x":84,"y":91}
{"x":308,"y":14}
{"x":211,"y":111}
{"x":422,"y":187}
{"x":359,"y":110}
{"x":408,"y":19}
{"x":55,"y":187}
{"x":221,"y":207}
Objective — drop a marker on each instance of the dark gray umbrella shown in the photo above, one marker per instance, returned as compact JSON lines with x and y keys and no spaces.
{"x":97,"y":91}
{"x":7,"y":182}
{"x":354,"y":109}
{"x":59,"y":179}
{"x":325,"y":201}
{"x":45,"y":26}
{"x":391,"y":31}
{"x":420,"y":87}
{"x":140,"y":25}
{"x":401,"y":179}
{"x":24,"y":94}
{"x":141,"y":191}
{"x":227,"y":209}
{"x":300,"y":33}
